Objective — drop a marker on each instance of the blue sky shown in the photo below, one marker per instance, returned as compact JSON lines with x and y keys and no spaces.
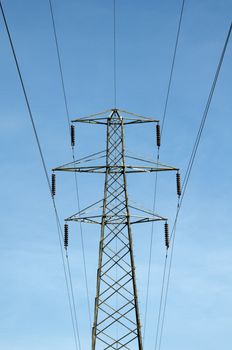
{"x":34,"y":308}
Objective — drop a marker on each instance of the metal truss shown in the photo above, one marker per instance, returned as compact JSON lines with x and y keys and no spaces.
{"x":116,"y":314}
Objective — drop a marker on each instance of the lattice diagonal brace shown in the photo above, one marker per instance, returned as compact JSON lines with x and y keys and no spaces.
{"x":116,"y":314}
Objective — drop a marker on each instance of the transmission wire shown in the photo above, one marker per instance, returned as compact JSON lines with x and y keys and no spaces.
{"x":172,"y":66}
{"x":69,"y":126}
{"x":162,"y":292}
{"x":189,"y":169}
{"x":114,"y":54}
{"x":59,"y":230}
{"x":156,"y":176}
{"x":162,"y":128}
{"x":73,"y":153}
{"x":150,"y":252}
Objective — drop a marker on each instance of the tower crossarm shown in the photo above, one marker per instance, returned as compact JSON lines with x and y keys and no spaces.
{"x":116,"y":169}
{"x":101,"y":118}
{"x":93,"y":215}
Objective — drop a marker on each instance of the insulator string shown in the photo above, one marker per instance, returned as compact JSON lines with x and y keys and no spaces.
{"x":72,"y":135}
{"x":53,"y":184}
{"x":166,"y":235}
{"x":178,"y":184}
{"x":158,"y":136}
{"x":66,"y":236}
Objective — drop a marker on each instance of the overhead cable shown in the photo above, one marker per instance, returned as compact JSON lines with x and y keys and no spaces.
{"x":158,"y":155}
{"x":189,"y":169}
{"x":59,"y":230}
{"x":73,"y":153}
{"x":114,"y":54}
{"x":172,"y":67}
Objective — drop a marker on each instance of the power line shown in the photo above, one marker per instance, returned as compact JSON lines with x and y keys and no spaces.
{"x":172,"y":66}
{"x":150,"y":254}
{"x":189,"y":169}
{"x":114,"y":55}
{"x":59,"y":230}
{"x":162,"y":128}
{"x":59,"y":62}
{"x":73,"y":153}
{"x":156,"y":176}
{"x":161,"y":298}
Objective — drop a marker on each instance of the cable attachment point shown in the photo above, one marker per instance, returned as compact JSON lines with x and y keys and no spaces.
{"x":66,"y":236}
{"x":158,"y":135}
{"x":178,"y":184}
{"x":166,"y":235}
{"x":72,"y":130}
{"x":53,"y":184}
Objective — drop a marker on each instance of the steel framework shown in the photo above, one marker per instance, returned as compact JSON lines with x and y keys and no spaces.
{"x":116,"y":314}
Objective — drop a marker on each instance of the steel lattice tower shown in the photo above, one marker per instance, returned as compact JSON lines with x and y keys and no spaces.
{"x":116,"y":314}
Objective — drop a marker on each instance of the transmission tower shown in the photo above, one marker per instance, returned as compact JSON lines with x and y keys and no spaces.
{"x":116,"y":322}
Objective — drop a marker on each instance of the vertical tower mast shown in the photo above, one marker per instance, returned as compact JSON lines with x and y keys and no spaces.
{"x":116,"y":322}
{"x":116,"y":302}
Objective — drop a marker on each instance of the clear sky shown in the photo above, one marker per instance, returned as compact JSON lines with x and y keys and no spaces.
{"x":34,"y":308}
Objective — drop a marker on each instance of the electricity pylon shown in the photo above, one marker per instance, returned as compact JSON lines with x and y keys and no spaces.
{"x":116,"y":322}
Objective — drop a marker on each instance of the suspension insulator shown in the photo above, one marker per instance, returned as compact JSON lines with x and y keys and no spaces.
{"x":158,"y":136}
{"x":166,"y":235}
{"x":66,"y":236}
{"x":72,"y":135}
{"x":178,"y":184}
{"x":53,"y":184}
